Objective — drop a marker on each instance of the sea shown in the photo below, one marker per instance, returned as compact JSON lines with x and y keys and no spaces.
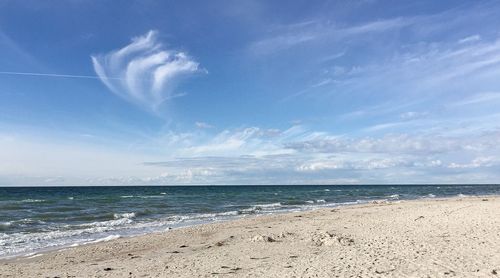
{"x":37,"y":219}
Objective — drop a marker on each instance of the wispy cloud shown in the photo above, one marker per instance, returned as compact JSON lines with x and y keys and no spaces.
{"x":203,"y":125}
{"x":472,"y":38}
{"x":297,"y":34}
{"x":480,"y":98}
{"x":146,"y":72}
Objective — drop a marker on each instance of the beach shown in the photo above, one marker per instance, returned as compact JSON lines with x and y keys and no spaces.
{"x":453,"y":237}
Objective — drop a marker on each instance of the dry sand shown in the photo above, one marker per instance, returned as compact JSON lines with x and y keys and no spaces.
{"x":457,"y":237}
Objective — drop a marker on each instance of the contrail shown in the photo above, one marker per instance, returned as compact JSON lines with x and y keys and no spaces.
{"x":55,"y":75}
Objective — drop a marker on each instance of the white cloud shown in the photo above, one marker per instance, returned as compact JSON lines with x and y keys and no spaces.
{"x":391,"y":143}
{"x":352,"y":164}
{"x":246,"y":141}
{"x":283,"y":38}
{"x":144,"y":72}
{"x":479,"y":98}
{"x":203,"y":125}
{"x":478,"y":162}
{"x":412,"y":115}
{"x":468,"y":39}
{"x":256,"y":155}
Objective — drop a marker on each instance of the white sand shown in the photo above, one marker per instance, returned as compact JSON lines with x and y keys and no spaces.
{"x":426,"y":238}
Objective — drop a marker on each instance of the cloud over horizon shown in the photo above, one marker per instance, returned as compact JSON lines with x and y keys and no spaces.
{"x":366,"y":92}
{"x":144,"y":72}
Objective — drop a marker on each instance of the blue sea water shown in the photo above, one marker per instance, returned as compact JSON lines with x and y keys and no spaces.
{"x":34,"y":219}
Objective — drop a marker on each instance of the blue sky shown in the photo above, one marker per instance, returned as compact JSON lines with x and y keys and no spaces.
{"x":249,"y":92}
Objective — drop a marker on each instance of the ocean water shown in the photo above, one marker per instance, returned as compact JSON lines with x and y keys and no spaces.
{"x":34,"y":219}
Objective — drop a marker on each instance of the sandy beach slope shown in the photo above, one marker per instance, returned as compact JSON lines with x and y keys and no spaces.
{"x":457,"y":237}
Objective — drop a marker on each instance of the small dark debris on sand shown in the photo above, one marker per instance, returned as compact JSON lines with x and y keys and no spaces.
{"x":183,"y":246}
{"x":418,"y":218}
{"x":108,"y":269}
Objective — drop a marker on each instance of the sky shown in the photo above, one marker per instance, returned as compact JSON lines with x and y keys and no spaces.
{"x":249,"y":92}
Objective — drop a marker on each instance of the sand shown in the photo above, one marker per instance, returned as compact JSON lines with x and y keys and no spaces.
{"x":457,"y":237}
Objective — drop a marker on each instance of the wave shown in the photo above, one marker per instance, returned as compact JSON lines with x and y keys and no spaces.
{"x":32,"y":201}
{"x":4,"y":226}
{"x":108,"y":238}
{"x":109,"y":223}
{"x":124,"y":215}
{"x":271,"y":205}
{"x":143,"y":196}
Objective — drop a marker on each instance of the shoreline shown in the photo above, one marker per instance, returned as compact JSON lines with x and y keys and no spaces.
{"x":305,"y":208}
{"x":46,"y":250}
{"x":211,"y":247}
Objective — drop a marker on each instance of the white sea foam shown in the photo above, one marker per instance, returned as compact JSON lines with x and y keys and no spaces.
{"x":150,"y":196}
{"x":320,"y":201}
{"x":6,"y":223}
{"x":108,"y":238}
{"x":262,"y":208}
{"x":143,"y":196}
{"x":271,"y":205}
{"x":32,"y":201}
{"x":227,"y":213}
{"x":431,"y":195}
{"x":110,"y":223}
{"x":124,"y":215}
